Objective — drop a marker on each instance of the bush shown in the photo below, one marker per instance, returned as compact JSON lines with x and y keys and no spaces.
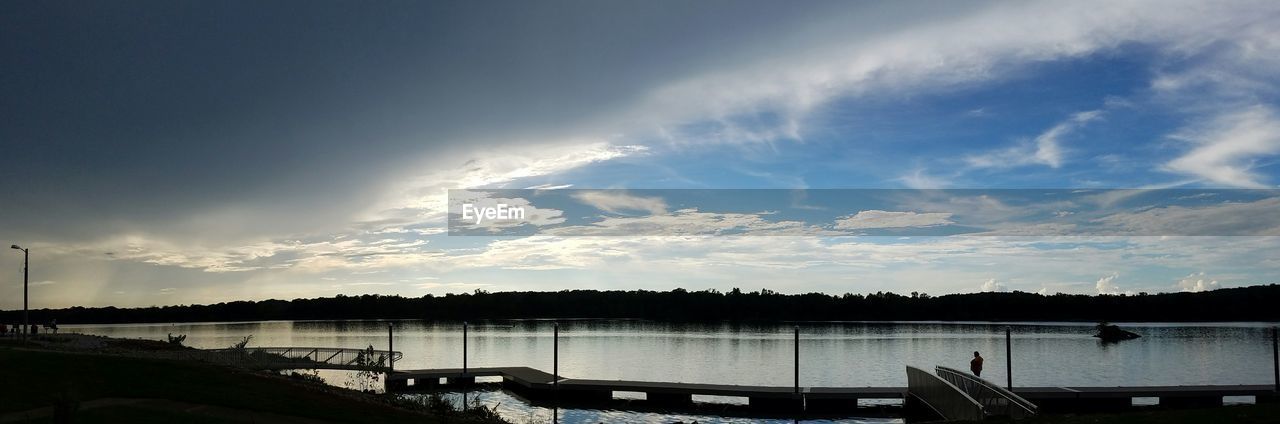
{"x":177,"y":341}
{"x":240,"y":345}
{"x":438,"y":405}
{"x":370,"y":363}
{"x":312,"y":377}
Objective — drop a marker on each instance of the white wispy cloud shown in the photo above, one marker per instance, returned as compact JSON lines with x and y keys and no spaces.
{"x":938,"y":265}
{"x":890,"y":219}
{"x":1256,"y":218}
{"x":422,"y":199}
{"x":1225,"y":149}
{"x":158,"y":251}
{"x":688,"y":222}
{"x":316,"y":255}
{"x":1045,"y":149}
{"x":619,"y":202}
{"x":982,"y":45}
{"x":920,"y":178}
{"x":549,"y":187}
{"x":953,"y":263}
{"x":532,"y":214}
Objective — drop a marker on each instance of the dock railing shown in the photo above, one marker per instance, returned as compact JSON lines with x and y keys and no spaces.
{"x":942,"y":397}
{"x":995,"y":400}
{"x":297,"y":358}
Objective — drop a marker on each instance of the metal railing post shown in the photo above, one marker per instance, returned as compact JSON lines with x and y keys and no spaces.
{"x":464,"y":347}
{"x":26,"y":273}
{"x":1275,"y":358}
{"x":391,"y":349}
{"x":1008,"y":357}
{"x":987,"y":393}
{"x":943,"y":396}
{"x":797,"y":359}
{"x":555,"y":355}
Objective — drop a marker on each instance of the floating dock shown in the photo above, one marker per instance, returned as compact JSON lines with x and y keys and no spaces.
{"x":536,"y":384}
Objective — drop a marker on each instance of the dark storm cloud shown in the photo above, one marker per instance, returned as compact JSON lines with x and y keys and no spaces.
{"x":144,"y":113}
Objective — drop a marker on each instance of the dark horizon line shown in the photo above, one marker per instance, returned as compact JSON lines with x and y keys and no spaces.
{"x":770,"y":292}
{"x":1239,"y":304}
{"x":677,"y":290}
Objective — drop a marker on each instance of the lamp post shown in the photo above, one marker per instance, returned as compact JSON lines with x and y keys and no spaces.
{"x":26,"y":264}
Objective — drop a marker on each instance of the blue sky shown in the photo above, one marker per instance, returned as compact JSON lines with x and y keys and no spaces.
{"x":160,"y":153}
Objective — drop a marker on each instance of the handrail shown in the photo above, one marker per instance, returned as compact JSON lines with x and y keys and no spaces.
{"x":995,"y":399}
{"x":290,"y":351}
{"x":942,"y":397}
{"x":298,"y":357}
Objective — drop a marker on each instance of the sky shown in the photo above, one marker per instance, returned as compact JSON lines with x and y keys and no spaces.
{"x":159,"y":152}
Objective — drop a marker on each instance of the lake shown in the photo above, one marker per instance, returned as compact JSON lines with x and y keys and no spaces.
{"x":831,"y":353}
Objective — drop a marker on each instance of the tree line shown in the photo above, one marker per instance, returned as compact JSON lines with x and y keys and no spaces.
{"x":1255,"y":303}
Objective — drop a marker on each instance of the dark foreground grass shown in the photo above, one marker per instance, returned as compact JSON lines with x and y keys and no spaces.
{"x":136,"y":415}
{"x":32,"y":379}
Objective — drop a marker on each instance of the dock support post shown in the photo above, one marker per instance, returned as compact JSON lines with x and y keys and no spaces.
{"x":464,"y":347}
{"x":792,"y":404}
{"x":555,"y":356}
{"x":668,"y":399}
{"x":391,"y":386}
{"x":1275,"y":358}
{"x":797,"y":359}
{"x":1008,"y":357}
{"x":1191,"y":402}
{"x":391,"y":351}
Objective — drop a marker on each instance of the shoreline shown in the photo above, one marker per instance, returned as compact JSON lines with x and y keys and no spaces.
{"x":122,"y":380}
{"x":1236,"y":304}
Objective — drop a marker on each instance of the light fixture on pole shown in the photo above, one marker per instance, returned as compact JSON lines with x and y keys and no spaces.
{"x":26,"y":263}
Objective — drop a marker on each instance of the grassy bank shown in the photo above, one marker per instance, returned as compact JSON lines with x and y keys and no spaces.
{"x":107,"y":387}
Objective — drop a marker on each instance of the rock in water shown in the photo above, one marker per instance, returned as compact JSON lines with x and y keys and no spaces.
{"x":1112,"y":333}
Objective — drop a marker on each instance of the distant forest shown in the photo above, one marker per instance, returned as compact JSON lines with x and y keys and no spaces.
{"x":1256,"y":303}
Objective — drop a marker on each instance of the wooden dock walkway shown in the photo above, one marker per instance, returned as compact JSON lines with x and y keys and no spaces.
{"x":523,"y":376}
{"x":1112,"y":398}
{"x":536,"y":384}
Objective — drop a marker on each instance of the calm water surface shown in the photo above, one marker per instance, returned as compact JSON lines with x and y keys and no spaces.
{"x":831,"y":354}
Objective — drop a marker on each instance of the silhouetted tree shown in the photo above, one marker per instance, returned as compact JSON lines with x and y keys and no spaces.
{"x":1232,"y":304}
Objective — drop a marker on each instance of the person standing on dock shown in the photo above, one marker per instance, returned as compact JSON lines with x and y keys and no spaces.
{"x":975,"y":365}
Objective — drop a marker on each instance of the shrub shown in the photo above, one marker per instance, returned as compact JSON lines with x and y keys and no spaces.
{"x":313,"y":376}
{"x":177,"y":341}
{"x":241,"y":344}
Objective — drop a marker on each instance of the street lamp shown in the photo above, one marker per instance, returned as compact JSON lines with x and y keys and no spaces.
{"x":26,"y":263}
